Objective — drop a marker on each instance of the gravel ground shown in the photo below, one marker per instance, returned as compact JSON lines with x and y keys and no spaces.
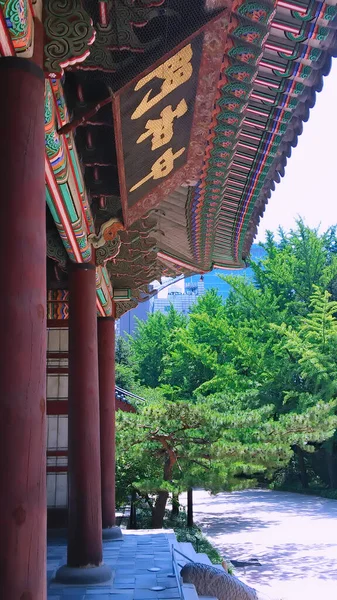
{"x":294,"y":537}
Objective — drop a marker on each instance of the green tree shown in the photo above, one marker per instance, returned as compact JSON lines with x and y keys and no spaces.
{"x":195,"y":350}
{"x":271,"y":344}
{"x":292,"y":267}
{"x":314,"y":345}
{"x":122,"y":351}
{"x":166,"y":447}
{"x":150,"y":344}
{"x":124,"y":366}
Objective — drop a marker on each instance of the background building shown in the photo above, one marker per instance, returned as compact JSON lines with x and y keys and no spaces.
{"x":127,"y":323}
{"x":180,"y":299}
{"x":183,"y":294}
{"x":212,"y":279}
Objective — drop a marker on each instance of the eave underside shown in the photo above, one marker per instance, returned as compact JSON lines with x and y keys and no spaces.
{"x":262,"y":105}
{"x":272,"y":63}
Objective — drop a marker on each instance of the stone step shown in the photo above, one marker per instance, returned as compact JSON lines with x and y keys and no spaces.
{"x":185,"y":552}
{"x":187,"y":548}
{"x":201,"y":557}
{"x":189,"y":592}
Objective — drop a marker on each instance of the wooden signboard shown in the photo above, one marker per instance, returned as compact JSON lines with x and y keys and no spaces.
{"x":160,"y":133}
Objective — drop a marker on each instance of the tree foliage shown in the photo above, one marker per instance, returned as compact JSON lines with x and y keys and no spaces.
{"x":124,"y":368}
{"x":242,"y":384}
{"x":151,"y":342}
{"x":171,"y":446}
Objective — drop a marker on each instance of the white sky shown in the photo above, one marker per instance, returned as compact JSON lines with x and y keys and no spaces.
{"x":309,"y":187}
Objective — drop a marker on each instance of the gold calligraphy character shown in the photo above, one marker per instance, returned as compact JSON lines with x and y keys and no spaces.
{"x":174,"y":72}
{"x":162,"y":167}
{"x":162,"y":129}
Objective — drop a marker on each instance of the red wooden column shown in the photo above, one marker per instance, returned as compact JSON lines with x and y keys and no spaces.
{"x":84,"y":562}
{"x":22,"y":331}
{"x":106,"y":363}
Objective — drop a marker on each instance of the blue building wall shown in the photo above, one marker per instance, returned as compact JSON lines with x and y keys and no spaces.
{"x":212,"y":279}
{"x":127,"y":323}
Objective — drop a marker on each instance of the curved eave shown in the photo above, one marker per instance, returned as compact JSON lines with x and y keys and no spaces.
{"x":278,"y":168}
{"x":266,"y":91}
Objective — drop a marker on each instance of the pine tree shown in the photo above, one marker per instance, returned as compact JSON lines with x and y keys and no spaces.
{"x":175,"y":445}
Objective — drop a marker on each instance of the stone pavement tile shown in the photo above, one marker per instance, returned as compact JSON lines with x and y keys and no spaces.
{"x":122,"y":571}
{"x":111,"y":560}
{"x":121,"y":595}
{"x":132,"y":580}
{"x":164,"y":569}
{"x":95,"y":590}
{"x":145,"y":561}
{"x":170,"y":593}
{"x":75,"y":590}
{"x":129,"y":544}
{"x":117,"y":596}
{"x":143,"y":581}
{"x":113,"y":545}
{"x":143,"y":568}
{"x":141,"y":572}
{"x":99,"y":596}
{"x":167,"y":583}
{"x":145,"y":595}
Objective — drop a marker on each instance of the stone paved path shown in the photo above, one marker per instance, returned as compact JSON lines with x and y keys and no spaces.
{"x":130,"y":561}
{"x":293,"y":536}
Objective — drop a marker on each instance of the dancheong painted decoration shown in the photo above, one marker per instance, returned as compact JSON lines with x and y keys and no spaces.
{"x":167,"y":125}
